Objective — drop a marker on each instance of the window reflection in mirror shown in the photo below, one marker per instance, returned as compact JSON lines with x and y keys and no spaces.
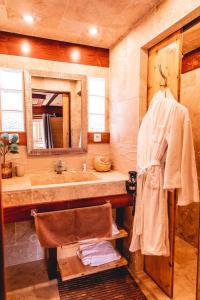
{"x":56,"y":113}
{"x":96,"y":104}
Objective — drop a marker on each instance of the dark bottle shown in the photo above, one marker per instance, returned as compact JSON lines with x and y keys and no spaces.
{"x":133,"y":176}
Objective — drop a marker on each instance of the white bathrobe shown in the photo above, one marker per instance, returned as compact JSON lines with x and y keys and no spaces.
{"x":165,"y":162}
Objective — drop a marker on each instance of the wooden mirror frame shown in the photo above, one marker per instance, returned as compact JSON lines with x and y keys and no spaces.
{"x":28,"y":108}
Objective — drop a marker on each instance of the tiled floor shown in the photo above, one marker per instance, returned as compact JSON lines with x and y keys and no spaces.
{"x":185,"y":272}
{"x":30,"y":282}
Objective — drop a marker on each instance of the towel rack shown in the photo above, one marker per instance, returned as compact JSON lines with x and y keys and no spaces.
{"x":34,"y":212}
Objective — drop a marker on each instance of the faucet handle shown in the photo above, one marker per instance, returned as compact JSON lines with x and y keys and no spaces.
{"x":60,"y":166}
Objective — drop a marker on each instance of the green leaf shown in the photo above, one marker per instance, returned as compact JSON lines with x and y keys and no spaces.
{"x":1,"y":144}
{"x":5,"y":136}
{"x":14,"y":139}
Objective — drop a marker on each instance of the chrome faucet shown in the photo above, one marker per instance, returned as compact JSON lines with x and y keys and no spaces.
{"x":60,"y":167}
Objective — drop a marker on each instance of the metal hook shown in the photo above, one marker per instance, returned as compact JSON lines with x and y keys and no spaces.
{"x":163,"y":76}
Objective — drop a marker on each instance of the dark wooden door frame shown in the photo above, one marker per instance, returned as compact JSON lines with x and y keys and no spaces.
{"x":2,"y":269}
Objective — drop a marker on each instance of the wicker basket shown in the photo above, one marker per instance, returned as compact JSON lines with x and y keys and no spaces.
{"x":102,"y":164}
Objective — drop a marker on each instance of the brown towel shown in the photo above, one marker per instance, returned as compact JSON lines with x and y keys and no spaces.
{"x":63,"y":227}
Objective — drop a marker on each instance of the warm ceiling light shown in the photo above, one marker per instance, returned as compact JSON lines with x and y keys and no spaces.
{"x":75,"y":55}
{"x":25,"y":47}
{"x":93,"y":31}
{"x":28,"y":19}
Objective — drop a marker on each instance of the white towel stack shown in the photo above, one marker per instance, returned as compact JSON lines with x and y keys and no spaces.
{"x":114,"y":228}
{"x":97,"y":254}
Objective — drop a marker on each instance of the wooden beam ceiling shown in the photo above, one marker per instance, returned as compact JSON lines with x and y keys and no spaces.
{"x":11,"y":44}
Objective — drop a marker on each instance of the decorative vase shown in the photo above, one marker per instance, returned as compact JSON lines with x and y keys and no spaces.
{"x":6,"y":170}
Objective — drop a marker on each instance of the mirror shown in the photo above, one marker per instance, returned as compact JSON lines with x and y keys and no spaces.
{"x":56,"y":113}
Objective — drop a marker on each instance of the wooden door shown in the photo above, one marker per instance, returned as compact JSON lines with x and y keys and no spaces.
{"x":57,"y":131}
{"x":2,"y":274}
{"x":168,"y":55}
{"x":66,"y":121}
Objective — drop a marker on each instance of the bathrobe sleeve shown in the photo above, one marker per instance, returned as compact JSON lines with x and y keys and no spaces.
{"x":189,"y":191}
{"x":180,"y":168}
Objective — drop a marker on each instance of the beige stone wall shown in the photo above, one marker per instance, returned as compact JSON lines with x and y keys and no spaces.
{"x":26,"y":63}
{"x":21,"y":244}
{"x":21,"y":241}
{"x":128,"y":73}
{"x":125,"y":91}
{"x":128,"y":80}
{"x":35,"y":164}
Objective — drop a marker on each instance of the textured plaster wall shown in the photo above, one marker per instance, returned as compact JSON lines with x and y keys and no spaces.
{"x":21,"y":241}
{"x":35,"y":164}
{"x":128,"y":79}
{"x":128,"y":74}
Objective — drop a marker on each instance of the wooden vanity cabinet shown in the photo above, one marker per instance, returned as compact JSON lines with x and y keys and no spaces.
{"x":71,"y":267}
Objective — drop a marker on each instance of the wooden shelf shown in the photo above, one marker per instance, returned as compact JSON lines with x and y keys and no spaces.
{"x":122,"y":234}
{"x":72,"y":267}
{"x":70,"y":250}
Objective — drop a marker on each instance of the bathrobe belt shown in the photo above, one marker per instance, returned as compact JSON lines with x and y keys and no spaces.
{"x":141,"y":181}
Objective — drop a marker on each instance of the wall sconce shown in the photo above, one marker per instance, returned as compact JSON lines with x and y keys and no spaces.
{"x":75,"y":55}
{"x":25,"y":48}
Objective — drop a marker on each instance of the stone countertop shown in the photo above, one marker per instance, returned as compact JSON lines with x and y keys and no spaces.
{"x":18,"y":191}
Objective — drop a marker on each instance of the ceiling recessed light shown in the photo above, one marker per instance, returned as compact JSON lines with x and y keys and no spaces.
{"x":93,"y":31}
{"x":28,"y":19}
{"x":25,"y":47}
{"x":75,"y":55}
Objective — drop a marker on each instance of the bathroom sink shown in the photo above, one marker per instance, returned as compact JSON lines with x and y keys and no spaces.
{"x":65,"y":177}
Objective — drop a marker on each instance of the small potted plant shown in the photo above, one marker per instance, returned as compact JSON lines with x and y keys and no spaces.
{"x":7,"y":145}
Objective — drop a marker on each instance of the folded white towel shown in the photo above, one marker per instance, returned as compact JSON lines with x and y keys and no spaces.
{"x":97,"y":254}
{"x":114,"y":228}
{"x":103,"y":247}
{"x":97,"y":261}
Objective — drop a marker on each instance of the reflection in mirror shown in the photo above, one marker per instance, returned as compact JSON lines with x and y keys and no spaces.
{"x":56,"y":113}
